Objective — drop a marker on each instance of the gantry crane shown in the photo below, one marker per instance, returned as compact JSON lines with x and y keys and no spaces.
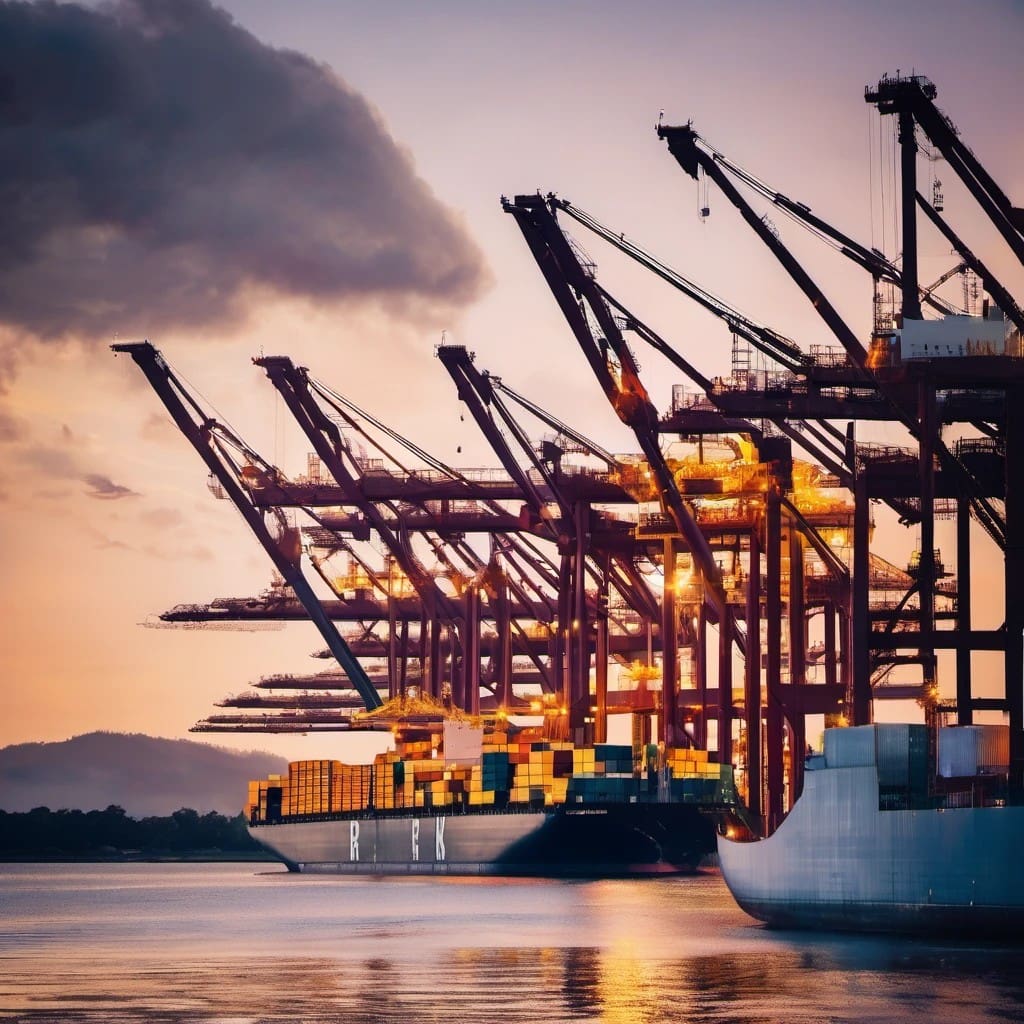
{"x":911,"y":390}
{"x":211,"y":440}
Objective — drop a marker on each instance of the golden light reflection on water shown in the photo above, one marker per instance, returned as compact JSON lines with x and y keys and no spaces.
{"x":474,"y":986}
{"x":226,"y":947}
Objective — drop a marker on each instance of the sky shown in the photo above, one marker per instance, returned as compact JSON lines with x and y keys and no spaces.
{"x":322,"y":180}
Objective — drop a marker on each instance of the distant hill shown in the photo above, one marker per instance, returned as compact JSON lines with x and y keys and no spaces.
{"x":142,"y":774}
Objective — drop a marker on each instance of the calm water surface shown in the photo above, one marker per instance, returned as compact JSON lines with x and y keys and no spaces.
{"x":246,"y":944}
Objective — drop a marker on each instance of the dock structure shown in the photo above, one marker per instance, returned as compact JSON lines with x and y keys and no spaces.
{"x":717,"y":584}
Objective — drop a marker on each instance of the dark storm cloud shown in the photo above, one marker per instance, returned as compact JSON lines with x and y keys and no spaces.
{"x":103,"y":487}
{"x":156,"y":160}
{"x":65,"y":463}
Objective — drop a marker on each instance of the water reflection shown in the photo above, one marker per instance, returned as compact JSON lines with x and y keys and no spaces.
{"x":535,"y":984}
{"x":225,"y":947}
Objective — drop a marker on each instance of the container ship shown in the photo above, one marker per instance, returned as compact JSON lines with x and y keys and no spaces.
{"x":880,"y":840}
{"x":462,"y":801}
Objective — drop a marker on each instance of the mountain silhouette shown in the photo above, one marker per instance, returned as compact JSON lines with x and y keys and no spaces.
{"x":143,"y":774}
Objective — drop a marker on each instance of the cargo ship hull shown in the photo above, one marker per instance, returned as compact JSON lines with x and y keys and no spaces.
{"x":597,"y":841}
{"x":840,"y":862}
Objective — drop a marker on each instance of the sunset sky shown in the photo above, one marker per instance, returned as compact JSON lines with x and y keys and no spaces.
{"x":322,"y":180}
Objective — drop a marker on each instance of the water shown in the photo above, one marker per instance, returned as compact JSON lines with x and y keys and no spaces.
{"x":247,"y":944}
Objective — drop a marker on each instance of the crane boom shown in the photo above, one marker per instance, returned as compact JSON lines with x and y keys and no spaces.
{"x":572,"y":287}
{"x":693,"y":154}
{"x":774,"y":345}
{"x":197,"y":428}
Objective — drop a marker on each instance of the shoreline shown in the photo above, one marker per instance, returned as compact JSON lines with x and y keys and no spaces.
{"x":197,"y":857}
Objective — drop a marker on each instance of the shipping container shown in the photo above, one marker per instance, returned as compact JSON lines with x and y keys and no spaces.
{"x":853,"y":747}
{"x":993,"y":747}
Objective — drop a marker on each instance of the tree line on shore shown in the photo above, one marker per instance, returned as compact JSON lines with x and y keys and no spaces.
{"x":42,"y":833}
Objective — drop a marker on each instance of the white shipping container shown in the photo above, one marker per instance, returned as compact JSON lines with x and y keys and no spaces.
{"x":853,"y":747}
{"x":958,"y":751}
{"x":463,"y":743}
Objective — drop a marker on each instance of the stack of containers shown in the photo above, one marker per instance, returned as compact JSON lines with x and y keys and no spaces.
{"x":616,"y":758}
{"x":495,"y":771}
{"x":388,"y":779}
{"x":898,"y":750}
{"x":527,"y":771}
{"x":584,"y":761}
{"x":258,"y":795}
{"x":531,"y":778}
{"x":403,"y":779}
{"x":562,"y":772}
{"x":421,"y":778}
{"x":253,"y":803}
{"x":425,"y":746}
{"x":350,"y":786}
{"x":683,"y":762}
{"x":483,"y":786}
{"x":693,"y":778}
{"x":901,"y":754}
{"x":309,"y":788}
{"x":610,"y":780}
{"x":268,"y":797}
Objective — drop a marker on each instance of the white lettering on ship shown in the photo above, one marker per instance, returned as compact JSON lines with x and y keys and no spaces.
{"x":353,"y":840}
{"x":439,"y":839}
{"x":415,"y":838}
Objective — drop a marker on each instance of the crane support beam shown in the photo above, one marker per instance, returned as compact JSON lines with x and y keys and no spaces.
{"x":197,"y":430}
{"x":771,"y":343}
{"x":293,"y":385}
{"x":572,"y":287}
{"x":912,"y":96}
{"x":992,"y":285}
{"x":477,"y":392}
{"x":683,"y":145}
